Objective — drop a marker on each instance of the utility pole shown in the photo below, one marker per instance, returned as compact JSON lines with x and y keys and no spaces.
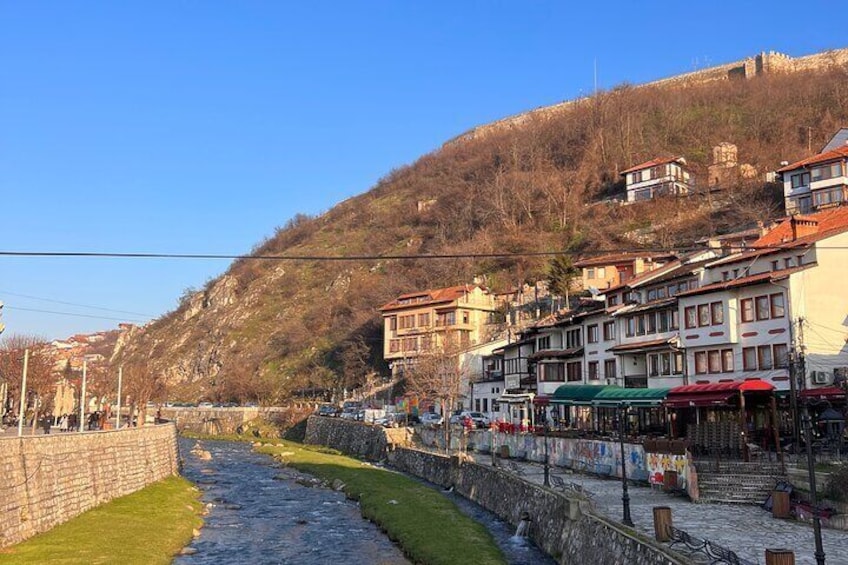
{"x":118,"y":417}
{"x":82,"y":397}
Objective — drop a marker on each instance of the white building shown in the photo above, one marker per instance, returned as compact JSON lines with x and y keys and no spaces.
{"x":817,"y":182}
{"x":657,"y":177}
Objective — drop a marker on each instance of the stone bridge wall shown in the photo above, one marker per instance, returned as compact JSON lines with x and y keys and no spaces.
{"x":560,"y":526}
{"x":215,"y":421}
{"x":48,"y":479}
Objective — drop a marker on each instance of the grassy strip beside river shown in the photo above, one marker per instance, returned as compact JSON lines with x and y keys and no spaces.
{"x":147,"y":527}
{"x":428,"y":527}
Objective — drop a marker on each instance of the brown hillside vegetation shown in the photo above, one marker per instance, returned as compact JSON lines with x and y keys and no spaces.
{"x":271,"y":328}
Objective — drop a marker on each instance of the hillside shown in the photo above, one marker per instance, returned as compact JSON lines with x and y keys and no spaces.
{"x":270,"y":328}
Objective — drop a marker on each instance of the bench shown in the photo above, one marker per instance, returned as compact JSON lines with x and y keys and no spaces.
{"x":720,"y":554}
{"x":692,"y":543}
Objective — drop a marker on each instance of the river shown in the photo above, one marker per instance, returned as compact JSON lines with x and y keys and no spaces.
{"x":258,"y":514}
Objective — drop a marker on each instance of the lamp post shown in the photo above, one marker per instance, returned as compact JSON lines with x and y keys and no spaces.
{"x":625,"y":497}
{"x":811,"y":469}
{"x":547,"y":467}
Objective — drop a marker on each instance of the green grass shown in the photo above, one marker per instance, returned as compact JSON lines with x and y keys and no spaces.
{"x":147,"y":527}
{"x":426,"y":525}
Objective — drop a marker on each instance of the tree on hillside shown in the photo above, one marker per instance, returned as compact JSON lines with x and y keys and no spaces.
{"x":437,"y":375}
{"x":561,"y":275}
{"x":41,"y":380}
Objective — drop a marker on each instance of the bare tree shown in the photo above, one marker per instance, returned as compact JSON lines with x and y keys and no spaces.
{"x":437,"y":375}
{"x":41,"y":378}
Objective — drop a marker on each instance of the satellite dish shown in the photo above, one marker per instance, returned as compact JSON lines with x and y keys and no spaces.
{"x":594,"y":291}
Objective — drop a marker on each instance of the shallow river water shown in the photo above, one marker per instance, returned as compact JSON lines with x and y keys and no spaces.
{"x":255,"y":518}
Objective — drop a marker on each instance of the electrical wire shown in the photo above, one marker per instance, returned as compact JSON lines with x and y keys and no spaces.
{"x":73,"y":314}
{"x":5,"y":292}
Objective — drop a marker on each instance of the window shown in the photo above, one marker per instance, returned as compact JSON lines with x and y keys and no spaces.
{"x":572,"y":338}
{"x":393,"y":323}
{"x":573,"y":372}
{"x":593,"y":370}
{"x":446,"y":319}
{"x":762,"y":306}
{"x":652,"y":294}
{"x":553,"y":372}
{"x":602,"y":272}
{"x":727,"y":360}
{"x":764,"y":357}
{"x":394,"y":346}
{"x":725,"y":276}
{"x":590,"y":273}
{"x":651,"y":320}
{"x":714,"y":360}
{"x":675,"y":320}
{"x":801,"y":179}
{"x":466,"y":317}
{"x":609,"y":368}
{"x":612,"y":300}
{"x":746,"y":309}
{"x":678,"y":363}
{"x":781,"y":356}
{"x":777,"y":307}
{"x":661,"y":292}
{"x":630,"y":329}
{"x":426,"y":342}
{"x":787,"y":262}
{"x":592,"y":333}
{"x":663,"y":320}
{"x":749,"y":359}
{"x":691,"y":317}
{"x":703,"y":315}
{"x":640,"y":325}
{"x":636,"y":177}
{"x":544,"y":343}
{"x":700,"y":362}
{"x":717,"y":313}
{"x":609,"y":331}
{"x":424,"y":319}
{"x":653,"y":365}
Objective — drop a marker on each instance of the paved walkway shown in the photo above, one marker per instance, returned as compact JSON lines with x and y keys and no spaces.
{"x":747,"y":530}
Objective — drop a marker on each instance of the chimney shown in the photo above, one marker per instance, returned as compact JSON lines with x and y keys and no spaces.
{"x":803,"y":228}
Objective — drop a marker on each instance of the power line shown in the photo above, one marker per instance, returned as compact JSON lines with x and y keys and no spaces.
{"x":499,"y":255}
{"x":4,"y":292}
{"x":71,"y":314}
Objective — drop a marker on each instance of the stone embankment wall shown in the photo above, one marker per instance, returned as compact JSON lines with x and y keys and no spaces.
{"x":560,"y":525}
{"x":48,"y":479}
{"x":355,"y":438}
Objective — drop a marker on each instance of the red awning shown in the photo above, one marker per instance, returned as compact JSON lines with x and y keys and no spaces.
{"x":828,"y":392}
{"x":708,"y":399}
{"x":541,"y":400}
{"x":713,"y":394}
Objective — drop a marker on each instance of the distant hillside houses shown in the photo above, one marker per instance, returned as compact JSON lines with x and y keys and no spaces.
{"x":820,"y":181}
{"x":768,"y":312}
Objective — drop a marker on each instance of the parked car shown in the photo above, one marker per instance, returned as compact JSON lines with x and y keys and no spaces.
{"x":480,"y":420}
{"x":329,"y":410}
{"x":392,"y":420}
{"x":431,"y":419}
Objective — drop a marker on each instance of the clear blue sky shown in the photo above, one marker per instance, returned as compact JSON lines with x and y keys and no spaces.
{"x":198,"y":127}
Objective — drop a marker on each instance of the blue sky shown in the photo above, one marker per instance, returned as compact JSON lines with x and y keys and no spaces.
{"x":198,"y":127}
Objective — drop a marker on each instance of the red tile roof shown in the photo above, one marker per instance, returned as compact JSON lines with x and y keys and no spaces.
{"x":808,"y":229}
{"x":434,"y":296}
{"x":617,"y":258}
{"x":653,"y":163}
{"x":770,"y":276}
{"x":833,"y":155}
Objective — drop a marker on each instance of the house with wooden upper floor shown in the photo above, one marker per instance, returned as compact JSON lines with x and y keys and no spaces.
{"x":815,"y":183}
{"x":663,"y":176}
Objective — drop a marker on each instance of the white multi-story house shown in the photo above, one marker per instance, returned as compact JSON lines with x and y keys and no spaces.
{"x":601,"y":364}
{"x":817,"y":182}
{"x":657,"y":177}
{"x":755,"y":309}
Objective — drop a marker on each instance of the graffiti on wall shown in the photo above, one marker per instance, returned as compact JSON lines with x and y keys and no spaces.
{"x":659,"y":463}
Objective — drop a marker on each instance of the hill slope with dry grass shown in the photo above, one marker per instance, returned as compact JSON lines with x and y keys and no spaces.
{"x":270,"y":328}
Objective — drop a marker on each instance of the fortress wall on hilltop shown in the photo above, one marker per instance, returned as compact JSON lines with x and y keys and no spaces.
{"x":764,"y":63}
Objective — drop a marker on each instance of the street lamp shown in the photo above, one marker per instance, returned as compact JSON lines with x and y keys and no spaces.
{"x":625,"y":497}
{"x":811,"y":469}
{"x":547,"y":467}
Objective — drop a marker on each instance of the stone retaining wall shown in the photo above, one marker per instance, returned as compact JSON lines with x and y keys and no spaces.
{"x":48,"y":479}
{"x":561,"y":527}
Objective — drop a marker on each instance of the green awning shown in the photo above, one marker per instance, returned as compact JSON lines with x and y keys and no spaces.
{"x":577,"y":394}
{"x":617,"y":396}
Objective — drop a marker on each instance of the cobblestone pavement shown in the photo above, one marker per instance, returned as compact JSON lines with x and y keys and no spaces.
{"x":747,"y":530}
